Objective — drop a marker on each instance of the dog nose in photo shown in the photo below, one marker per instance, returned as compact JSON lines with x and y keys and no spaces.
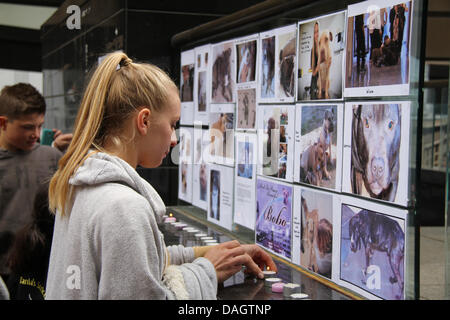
{"x":378,"y":167}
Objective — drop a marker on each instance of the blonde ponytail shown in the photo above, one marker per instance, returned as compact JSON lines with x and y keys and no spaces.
{"x":116,"y":90}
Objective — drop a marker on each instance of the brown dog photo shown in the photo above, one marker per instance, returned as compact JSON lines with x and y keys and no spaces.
{"x":317,"y":146}
{"x":223,"y":73}
{"x":320,"y":57}
{"x":316,"y":232}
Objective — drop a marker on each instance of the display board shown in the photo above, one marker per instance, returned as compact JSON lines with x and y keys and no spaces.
{"x":311,"y":142}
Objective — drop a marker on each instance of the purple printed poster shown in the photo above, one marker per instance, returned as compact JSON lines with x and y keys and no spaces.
{"x":274,"y":216}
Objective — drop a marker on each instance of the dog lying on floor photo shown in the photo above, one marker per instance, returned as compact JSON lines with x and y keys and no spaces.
{"x":375,"y":150}
{"x":371,"y":232}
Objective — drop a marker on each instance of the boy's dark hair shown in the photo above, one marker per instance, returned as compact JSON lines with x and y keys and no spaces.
{"x":20,"y":99}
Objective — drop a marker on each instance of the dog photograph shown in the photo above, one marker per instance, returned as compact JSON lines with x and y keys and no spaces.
{"x":316,"y":245}
{"x":220,"y":188}
{"x":185,"y":168}
{"x":187,"y":83}
{"x":223,"y":73}
{"x":377,"y":157}
{"x":202,"y":94}
{"x":318,"y":145}
{"x":286,"y":62}
{"x":372,"y":250}
{"x":378,"y":48}
{"x":246,"y":53}
{"x":221,"y":130}
{"x":276,"y":156}
{"x":321,"y":47}
{"x":274,"y":216}
{"x":245,"y":159}
{"x":246,"y":108}
{"x":214,"y":198}
{"x":245,"y":180}
{"x":200,"y":168}
{"x":267,"y":80}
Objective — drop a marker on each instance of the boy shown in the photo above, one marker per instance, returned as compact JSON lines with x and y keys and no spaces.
{"x":24,"y":163}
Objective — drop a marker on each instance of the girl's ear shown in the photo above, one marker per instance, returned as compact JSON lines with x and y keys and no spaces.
{"x":143,"y":121}
{"x":3,"y":121}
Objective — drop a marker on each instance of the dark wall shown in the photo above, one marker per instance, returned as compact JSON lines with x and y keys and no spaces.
{"x":20,"y":49}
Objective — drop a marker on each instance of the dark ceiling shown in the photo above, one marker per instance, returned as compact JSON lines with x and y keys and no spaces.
{"x":46,"y":3}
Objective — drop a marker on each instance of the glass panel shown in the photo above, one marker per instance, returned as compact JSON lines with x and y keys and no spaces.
{"x":447,"y":220}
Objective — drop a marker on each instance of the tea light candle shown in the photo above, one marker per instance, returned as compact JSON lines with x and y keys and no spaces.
{"x":209,"y":242}
{"x":290,"y":288}
{"x":192,"y":232}
{"x":298,"y":296}
{"x":180,"y":226}
{"x":278,"y":287}
{"x":206,"y":238}
{"x":200,"y":235}
{"x":268,"y":282}
{"x":268,"y":273}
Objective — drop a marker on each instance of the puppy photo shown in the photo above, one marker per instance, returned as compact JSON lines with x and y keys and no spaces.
{"x":372,"y":251}
{"x":318,"y":146}
{"x":375,"y":150}
{"x":223,"y":70}
{"x":316,"y":232}
{"x":320,"y":57}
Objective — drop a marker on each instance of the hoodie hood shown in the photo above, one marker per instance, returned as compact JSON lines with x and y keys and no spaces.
{"x":103,"y":168}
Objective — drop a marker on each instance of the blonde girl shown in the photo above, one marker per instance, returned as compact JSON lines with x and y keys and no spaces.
{"x":106,"y":242}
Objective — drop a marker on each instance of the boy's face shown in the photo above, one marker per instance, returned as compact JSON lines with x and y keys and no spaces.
{"x":21,"y":133}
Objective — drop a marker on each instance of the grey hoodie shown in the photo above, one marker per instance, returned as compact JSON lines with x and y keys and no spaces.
{"x":108,"y":245}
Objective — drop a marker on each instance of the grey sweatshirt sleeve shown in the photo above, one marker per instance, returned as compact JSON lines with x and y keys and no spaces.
{"x":188,"y":278}
{"x":179,"y":254}
{"x":131,"y":260}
